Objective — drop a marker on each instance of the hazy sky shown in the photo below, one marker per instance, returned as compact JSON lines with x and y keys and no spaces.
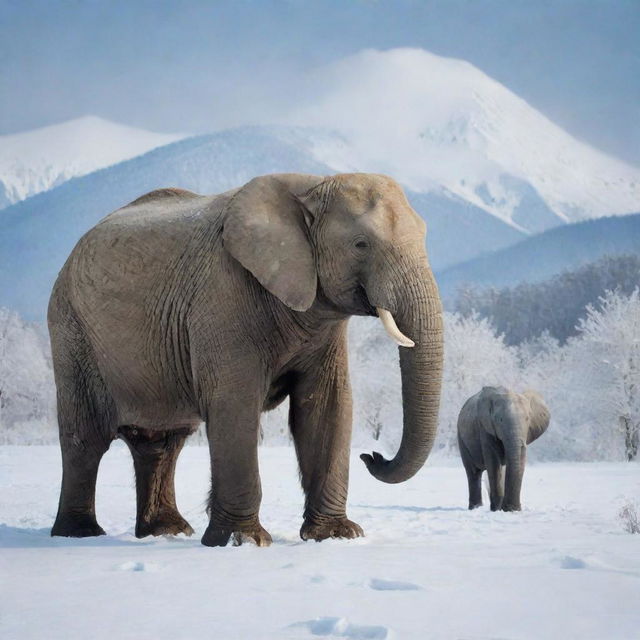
{"x":199,"y":66}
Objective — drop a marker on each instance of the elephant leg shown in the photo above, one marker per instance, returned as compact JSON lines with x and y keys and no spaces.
{"x":76,"y":517}
{"x":513,"y":484}
{"x":474,"y":476}
{"x":320,"y":421}
{"x":492,"y":452}
{"x":155,"y":454}
{"x":233,"y":427}
{"x":85,"y":419}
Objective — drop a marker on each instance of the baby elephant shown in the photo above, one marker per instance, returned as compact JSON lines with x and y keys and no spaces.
{"x":494,"y":428}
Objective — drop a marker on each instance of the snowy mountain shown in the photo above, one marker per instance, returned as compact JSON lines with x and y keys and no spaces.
{"x":480,"y":165}
{"x":438,"y":124}
{"x":37,"y":234}
{"x":38,"y":160}
{"x":546,"y":254}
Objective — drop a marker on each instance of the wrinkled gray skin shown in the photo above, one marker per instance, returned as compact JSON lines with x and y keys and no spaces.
{"x":182,"y":308}
{"x":494,"y":428}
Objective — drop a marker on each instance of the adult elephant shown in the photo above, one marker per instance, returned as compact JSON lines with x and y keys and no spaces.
{"x":180,"y":308}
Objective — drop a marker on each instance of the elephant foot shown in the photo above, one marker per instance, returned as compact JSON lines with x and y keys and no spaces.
{"x":327,"y":527}
{"x":496,"y":504}
{"x":170,"y":523}
{"x":76,"y":525}
{"x":511,"y":507}
{"x":474,"y":505}
{"x":219,"y":535}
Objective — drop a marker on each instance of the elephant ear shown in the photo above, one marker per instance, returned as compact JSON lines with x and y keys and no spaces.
{"x":265,"y":231}
{"x":539,"y":416}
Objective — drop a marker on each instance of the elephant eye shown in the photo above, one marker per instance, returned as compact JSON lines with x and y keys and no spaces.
{"x":362,"y":244}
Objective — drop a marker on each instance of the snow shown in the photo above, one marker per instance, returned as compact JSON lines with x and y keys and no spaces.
{"x":442,"y":124}
{"x":428,"y":568}
{"x":37,"y":160}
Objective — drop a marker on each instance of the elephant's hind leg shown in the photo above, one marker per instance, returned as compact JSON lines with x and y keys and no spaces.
{"x":76,"y":517}
{"x":154,"y":458}
{"x":474,"y":476}
{"x":85,"y":418}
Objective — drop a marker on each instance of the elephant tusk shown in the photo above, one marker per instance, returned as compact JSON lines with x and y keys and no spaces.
{"x":391,"y":328}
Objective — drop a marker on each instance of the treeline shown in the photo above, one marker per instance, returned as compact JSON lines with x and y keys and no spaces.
{"x":591,"y":383}
{"x":27,"y":393}
{"x":554,"y":306}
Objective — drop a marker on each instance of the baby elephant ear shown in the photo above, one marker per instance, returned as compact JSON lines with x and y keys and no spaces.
{"x":539,"y":416}
{"x":265,"y":231}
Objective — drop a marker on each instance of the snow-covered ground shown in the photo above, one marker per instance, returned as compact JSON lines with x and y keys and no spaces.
{"x":428,"y":568}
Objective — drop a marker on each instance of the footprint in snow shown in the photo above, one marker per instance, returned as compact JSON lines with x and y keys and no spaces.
{"x":393,"y":585}
{"x":342,"y":628}
{"x":137,"y":566}
{"x":569,"y":562}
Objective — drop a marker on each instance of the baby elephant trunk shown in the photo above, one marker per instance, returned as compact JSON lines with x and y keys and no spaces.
{"x":515,"y":451}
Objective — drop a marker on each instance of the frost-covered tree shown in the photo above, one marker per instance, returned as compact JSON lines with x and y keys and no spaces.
{"x":549,"y":368}
{"x":375,"y":378}
{"x":591,"y":384}
{"x":474,"y":357}
{"x":609,"y":343}
{"x":555,"y":305}
{"x":27,"y":391}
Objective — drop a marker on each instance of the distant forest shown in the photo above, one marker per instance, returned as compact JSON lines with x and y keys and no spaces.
{"x":554,"y":306}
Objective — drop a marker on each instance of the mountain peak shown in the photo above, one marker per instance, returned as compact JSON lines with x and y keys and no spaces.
{"x":439,"y":123}
{"x":37,"y":160}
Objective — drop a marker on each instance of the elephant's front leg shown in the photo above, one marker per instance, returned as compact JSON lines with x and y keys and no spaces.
{"x":492,"y":452}
{"x":516,"y":460}
{"x":320,"y":421}
{"x":233,"y":424}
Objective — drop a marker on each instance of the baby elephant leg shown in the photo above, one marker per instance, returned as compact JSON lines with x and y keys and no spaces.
{"x":493,"y":455}
{"x":474,"y":476}
{"x":513,"y":484}
{"x":154,"y":458}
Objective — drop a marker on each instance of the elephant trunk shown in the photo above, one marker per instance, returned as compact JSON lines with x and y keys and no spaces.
{"x":515,"y":452}
{"x":419,"y":317}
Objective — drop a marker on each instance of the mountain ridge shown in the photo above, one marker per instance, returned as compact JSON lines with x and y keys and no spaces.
{"x":37,"y":160}
{"x":441,"y":123}
{"x":38,"y":233}
{"x":438,"y":125}
{"x":542,"y":256}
